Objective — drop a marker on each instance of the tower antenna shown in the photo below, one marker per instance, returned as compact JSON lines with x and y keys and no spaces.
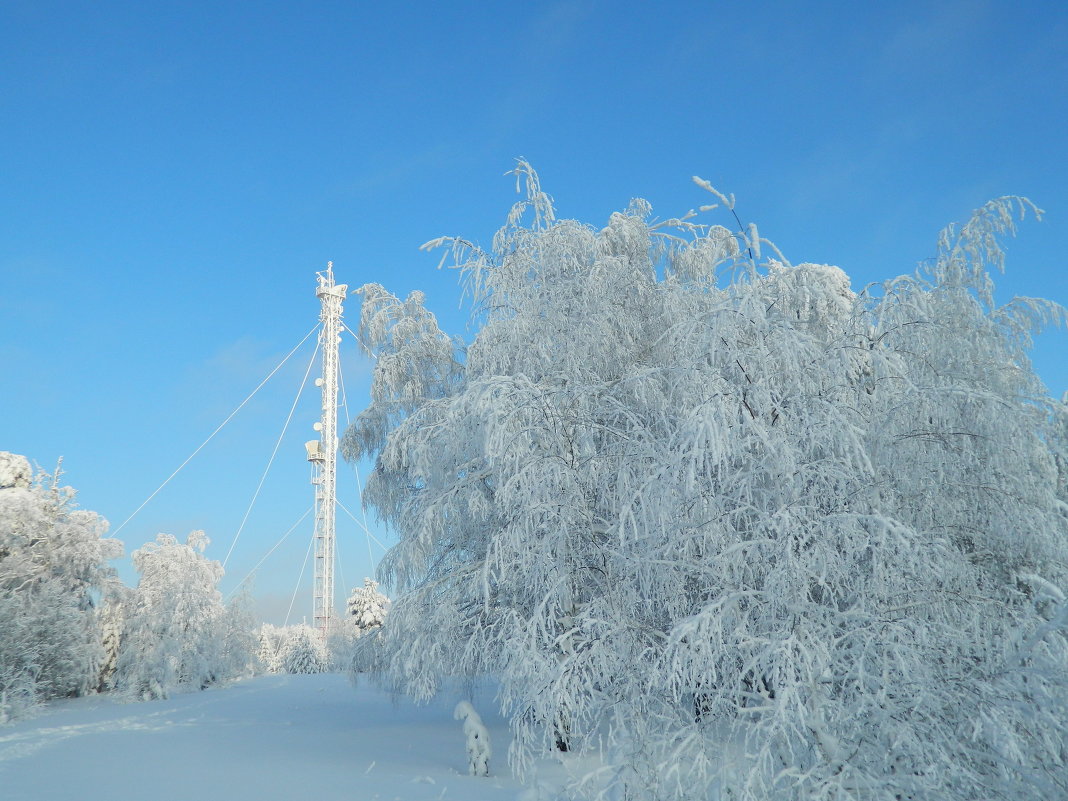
{"x":322,"y":453}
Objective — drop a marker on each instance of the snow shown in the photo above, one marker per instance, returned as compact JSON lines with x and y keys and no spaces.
{"x":479,"y":752}
{"x":285,"y":737}
{"x":14,"y":470}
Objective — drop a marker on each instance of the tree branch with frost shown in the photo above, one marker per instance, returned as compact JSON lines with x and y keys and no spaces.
{"x":702,"y":520}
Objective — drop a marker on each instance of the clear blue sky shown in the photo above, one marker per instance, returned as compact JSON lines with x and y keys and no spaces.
{"x":173,"y":174}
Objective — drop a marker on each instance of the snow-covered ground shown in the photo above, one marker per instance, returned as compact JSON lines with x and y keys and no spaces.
{"x":272,"y":737}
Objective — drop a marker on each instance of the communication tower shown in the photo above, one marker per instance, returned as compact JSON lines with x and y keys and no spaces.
{"x":322,"y":453}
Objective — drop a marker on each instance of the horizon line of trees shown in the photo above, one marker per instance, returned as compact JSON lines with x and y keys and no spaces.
{"x":70,"y":627}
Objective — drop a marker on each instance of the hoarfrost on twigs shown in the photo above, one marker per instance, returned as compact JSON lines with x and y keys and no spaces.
{"x":727,"y":521}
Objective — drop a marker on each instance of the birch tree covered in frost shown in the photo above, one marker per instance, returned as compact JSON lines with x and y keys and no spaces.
{"x":177,"y":633}
{"x":53,"y":572}
{"x":743,"y":530}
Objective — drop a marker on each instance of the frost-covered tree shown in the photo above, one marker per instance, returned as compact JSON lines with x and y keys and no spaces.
{"x":47,"y":648}
{"x":112,"y":617}
{"x":730,"y":519}
{"x":53,"y":570}
{"x":303,"y":651}
{"x":367,"y":607}
{"x":15,"y":471}
{"x":1060,"y":449}
{"x":271,"y":641}
{"x":295,"y":649}
{"x":46,"y":539}
{"x":178,"y":634}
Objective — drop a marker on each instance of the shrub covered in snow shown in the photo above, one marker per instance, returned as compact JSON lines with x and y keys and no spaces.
{"x":727,"y":518}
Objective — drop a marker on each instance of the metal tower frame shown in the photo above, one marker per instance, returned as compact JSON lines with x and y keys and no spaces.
{"x":322,"y":453}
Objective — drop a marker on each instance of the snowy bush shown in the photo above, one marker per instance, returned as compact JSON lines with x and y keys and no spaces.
{"x":53,"y":567}
{"x":725,"y":517}
{"x":177,"y":633}
{"x":476,"y":738}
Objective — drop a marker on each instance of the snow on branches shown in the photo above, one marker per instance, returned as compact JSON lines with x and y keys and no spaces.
{"x":292,"y":649}
{"x":68,"y":626}
{"x":367,"y":607}
{"x":177,"y":633}
{"x":53,"y":568}
{"x":727,"y":518}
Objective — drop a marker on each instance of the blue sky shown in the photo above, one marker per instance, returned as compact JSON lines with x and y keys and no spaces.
{"x":173,"y":174}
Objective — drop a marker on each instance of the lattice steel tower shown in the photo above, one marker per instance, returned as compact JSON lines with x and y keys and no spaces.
{"x":322,"y":453}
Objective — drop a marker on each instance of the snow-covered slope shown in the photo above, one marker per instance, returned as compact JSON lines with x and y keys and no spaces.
{"x":274,"y":737}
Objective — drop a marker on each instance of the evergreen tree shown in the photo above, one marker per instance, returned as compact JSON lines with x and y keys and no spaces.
{"x":271,"y":641}
{"x":303,"y":651}
{"x":367,"y":606}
